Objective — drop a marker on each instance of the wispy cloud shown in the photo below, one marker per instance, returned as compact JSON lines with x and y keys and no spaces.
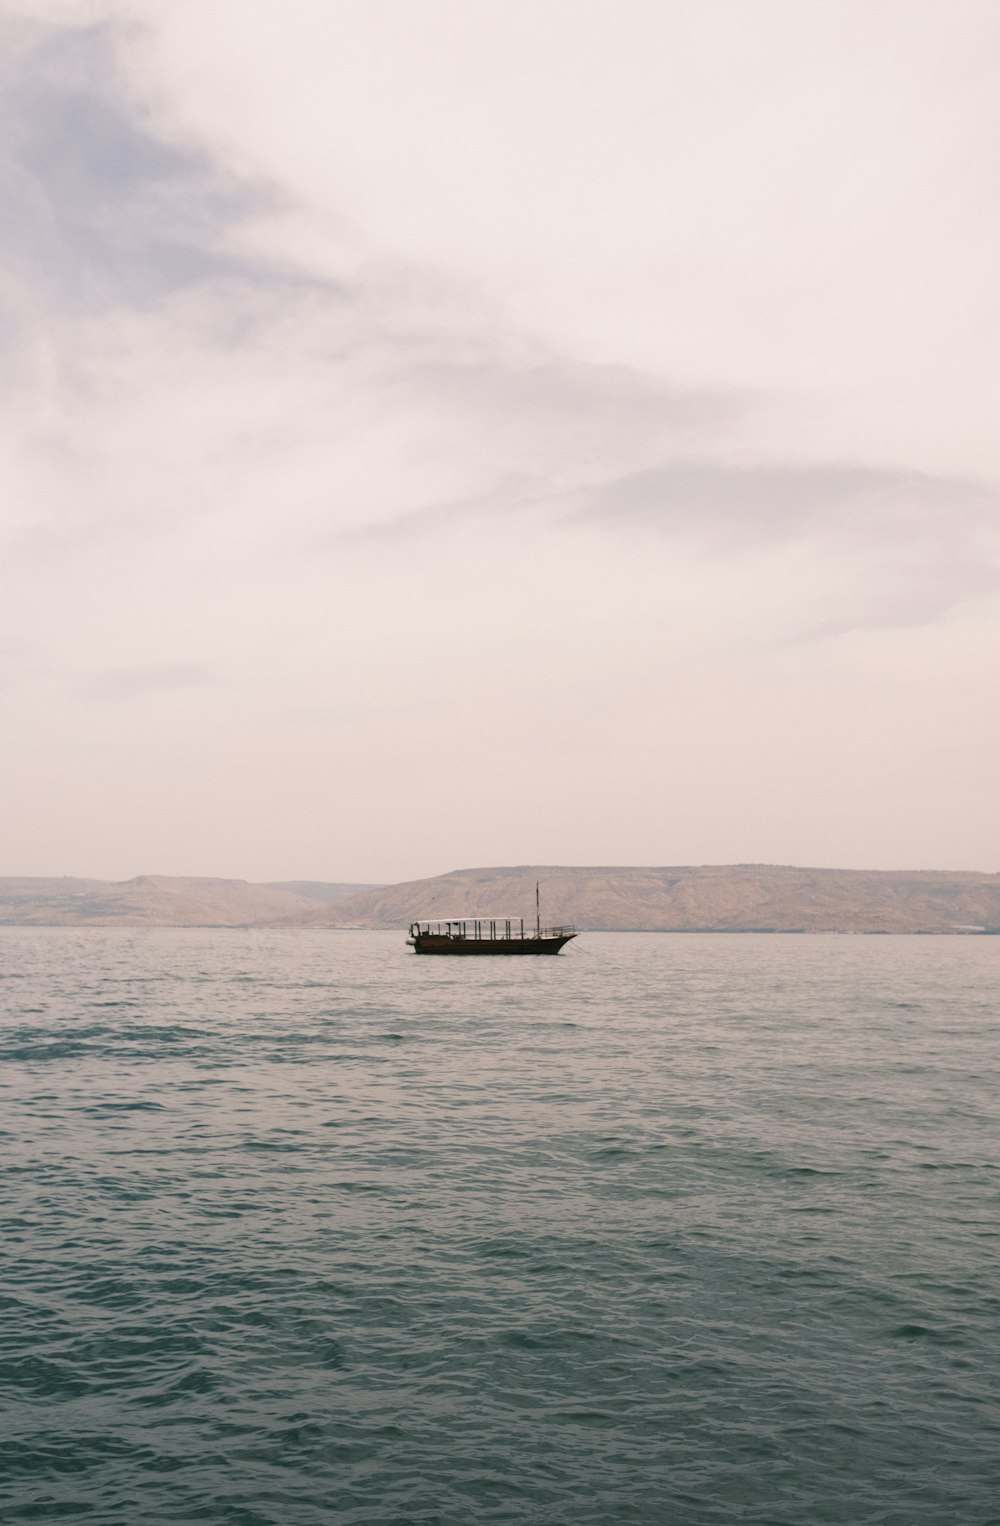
{"x":144,"y":310}
{"x":923,"y":543}
{"x":122,"y":684}
{"x":734,"y":506}
{"x":98,"y":206}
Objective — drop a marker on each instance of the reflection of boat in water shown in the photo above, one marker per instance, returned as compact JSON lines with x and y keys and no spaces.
{"x":488,"y":935}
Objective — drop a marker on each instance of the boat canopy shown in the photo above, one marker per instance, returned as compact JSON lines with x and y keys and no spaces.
{"x":484,"y":927}
{"x":489,"y":916}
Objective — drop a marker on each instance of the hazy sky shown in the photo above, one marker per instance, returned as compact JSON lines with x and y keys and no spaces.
{"x":452,"y":432}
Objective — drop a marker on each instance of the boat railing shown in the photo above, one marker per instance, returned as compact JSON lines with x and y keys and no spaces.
{"x":490,"y":928}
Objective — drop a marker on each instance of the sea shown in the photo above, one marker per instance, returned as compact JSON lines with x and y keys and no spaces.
{"x":672,"y":1230}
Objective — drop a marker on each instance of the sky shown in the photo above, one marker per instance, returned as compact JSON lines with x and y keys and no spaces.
{"x":441,"y":433}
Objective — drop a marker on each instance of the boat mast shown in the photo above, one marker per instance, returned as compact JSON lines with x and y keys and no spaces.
{"x":538,"y":913}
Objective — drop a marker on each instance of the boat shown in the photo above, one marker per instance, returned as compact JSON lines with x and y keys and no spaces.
{"x":488,"y":935}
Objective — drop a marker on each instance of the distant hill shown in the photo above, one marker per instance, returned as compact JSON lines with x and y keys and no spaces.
{"x":729,"y":898}
{"x":320,"y":890}
{"x":157,"y":900}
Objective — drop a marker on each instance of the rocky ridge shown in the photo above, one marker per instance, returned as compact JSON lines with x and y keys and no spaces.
{"x":728,"y":898}
{"x":708,"y":898}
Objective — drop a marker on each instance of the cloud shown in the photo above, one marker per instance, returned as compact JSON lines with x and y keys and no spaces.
{"x":413,"y":406}
{"x":748,"y":505}
{"x":99,"y":208}
{"x":923,"y":542}
{"x":883,"y":548}
{"x":131,"y":683}
{"x":143,"y":316}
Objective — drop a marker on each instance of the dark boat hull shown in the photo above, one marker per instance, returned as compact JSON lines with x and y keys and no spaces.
{"x":424,"y":944}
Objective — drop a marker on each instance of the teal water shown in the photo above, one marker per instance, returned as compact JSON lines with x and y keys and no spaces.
{"x":298,"y":1228}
